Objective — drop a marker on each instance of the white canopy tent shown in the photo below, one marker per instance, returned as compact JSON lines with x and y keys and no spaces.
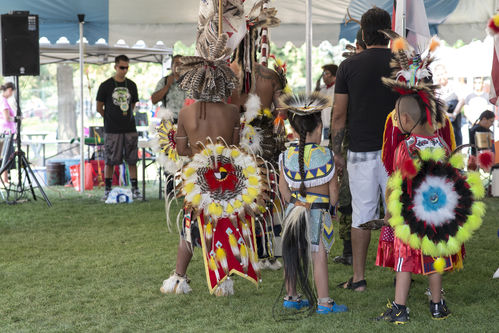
{"x":170,"y":21}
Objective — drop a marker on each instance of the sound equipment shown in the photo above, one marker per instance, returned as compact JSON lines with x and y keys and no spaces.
{"x":19,"y":46}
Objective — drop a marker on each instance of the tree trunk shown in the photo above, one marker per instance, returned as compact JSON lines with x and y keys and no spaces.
{"x":66,"y":128}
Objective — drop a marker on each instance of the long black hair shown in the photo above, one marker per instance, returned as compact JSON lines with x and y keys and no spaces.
{"x":303,"y":125}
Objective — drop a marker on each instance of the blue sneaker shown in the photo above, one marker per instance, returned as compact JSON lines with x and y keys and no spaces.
{"x":335,"y":308}
{"x":295,"y":303}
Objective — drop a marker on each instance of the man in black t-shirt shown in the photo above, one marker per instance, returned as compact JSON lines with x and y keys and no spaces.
{"x":116,"y":101}
{"x":360,"y":93}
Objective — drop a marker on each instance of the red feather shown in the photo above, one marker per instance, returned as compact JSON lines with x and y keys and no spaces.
{"x":409,"y":170}
{"x":486,"y":160}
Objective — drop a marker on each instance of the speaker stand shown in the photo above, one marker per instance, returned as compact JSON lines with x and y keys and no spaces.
{"x":16,"y":193}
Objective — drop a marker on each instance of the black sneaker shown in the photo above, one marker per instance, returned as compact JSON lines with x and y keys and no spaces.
{"x":394,"y":314}
{"x":439,"y":310}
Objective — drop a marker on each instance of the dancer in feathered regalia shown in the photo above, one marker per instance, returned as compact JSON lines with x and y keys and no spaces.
{"x":261,"y":126}
{"x":308,"y":183}
{"x":225,"y":189}
{"x":431,"y":203}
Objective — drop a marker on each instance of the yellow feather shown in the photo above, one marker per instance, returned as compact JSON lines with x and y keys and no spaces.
{"x":237,"y":204}
{"x":235,"y":153}
{"x":403,"y":232}
{"x":188,"y":187}
{"x":478,"y":208}
{"x":220,"y":149}
{"x":252,"y":191}
{"x":414,"y":241}
{"x":453,"y":245}
{"x":212,"y":264}
{"x":250,"y":169}
{"x":462,"y":235}
{"x":220,"y":253}
{"x":247,"y":198}
{"x":439,"y":265}
{"x":395,"y":207}
{"x":495,"y":18}
{"x":229,"y":209}
{"x":425,"y":154}
{"x":438,"y":154}
{"x":457,"y":161}
{"x":396,"y":220}
{"x":428,"y":247}
{"x":244,"y":251}
{"x":196,"y":199}
{"x":208,"y":230}
{"x":212,"y":208}
{"x":253,"y":181}
{"x":442,"y":249}
{"x":232,"y":240}
{"x":395,"y":181}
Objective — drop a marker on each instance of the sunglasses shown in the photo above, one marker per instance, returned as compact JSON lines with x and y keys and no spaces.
{"x":123,"y":67}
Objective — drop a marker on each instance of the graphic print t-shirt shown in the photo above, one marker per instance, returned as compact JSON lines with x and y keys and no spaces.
{"x":118,"y":98}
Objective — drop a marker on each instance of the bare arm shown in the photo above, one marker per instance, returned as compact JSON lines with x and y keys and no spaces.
{"x":237,"y":129}
{"x":338,"y":126}
{"x":160,"y":94}
{"x":100,"y":108}
{"x":334,"y":189}
{"x":181,"y":139}
{"x":283,"y":188}
{"x":457,"y":109}
{"x":6,"y":115}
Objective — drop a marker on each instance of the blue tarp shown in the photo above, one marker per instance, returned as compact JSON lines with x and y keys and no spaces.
{"x":59,"y":17}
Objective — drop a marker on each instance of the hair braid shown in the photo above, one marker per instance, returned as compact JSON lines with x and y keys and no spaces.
{"x":301,"y":153}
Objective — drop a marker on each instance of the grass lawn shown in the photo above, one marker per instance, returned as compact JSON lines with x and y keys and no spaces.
{"x":85,"y":266}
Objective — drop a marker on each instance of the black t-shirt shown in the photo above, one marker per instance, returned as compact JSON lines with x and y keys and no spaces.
{"x":369,"y":100}
{"x":118,"y":99}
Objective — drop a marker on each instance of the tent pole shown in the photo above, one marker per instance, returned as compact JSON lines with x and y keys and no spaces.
{"x":308,"y":45}
{"x":81,"y":19}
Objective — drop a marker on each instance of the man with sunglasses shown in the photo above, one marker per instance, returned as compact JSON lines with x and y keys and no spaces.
{"x":116,"y":101}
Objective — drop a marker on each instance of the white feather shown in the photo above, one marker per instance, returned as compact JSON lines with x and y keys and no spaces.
{"x":164,"y":113}
{"x":253,"y":106}
{"x":443,"y":214}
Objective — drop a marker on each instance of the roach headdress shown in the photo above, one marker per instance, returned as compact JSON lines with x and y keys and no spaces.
{"x":411,"y":76}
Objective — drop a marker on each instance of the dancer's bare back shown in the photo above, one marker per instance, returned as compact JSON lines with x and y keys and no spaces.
{"x":203,"y":120}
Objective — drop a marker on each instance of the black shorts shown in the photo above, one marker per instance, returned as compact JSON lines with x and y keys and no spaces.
{"x":121,"y":146}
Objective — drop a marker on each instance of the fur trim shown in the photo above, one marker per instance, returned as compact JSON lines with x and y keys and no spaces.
{"x":176,"y":284}
{"x":226,"y":288}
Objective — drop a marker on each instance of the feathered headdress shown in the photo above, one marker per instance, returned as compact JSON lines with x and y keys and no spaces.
{"x":261,"y":16}
{"x":208,"y":77}
{"x":411,"y":75}
{"x":303,"y":104}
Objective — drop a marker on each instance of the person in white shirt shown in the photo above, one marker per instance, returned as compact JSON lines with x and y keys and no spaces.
{"x":329,"y":78}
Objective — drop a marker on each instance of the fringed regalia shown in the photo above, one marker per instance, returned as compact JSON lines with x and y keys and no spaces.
{"x":319,"y":169}
{"x":225,"y":193}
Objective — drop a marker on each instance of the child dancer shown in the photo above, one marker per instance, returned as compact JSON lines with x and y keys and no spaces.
{"x":431,"y":204}
{"x":308,"y":183}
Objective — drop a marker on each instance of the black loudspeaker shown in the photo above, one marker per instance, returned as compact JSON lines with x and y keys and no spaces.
{"x":19,"y":46}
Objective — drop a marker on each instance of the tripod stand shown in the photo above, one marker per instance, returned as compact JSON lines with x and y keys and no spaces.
{"x":15,"y":193}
